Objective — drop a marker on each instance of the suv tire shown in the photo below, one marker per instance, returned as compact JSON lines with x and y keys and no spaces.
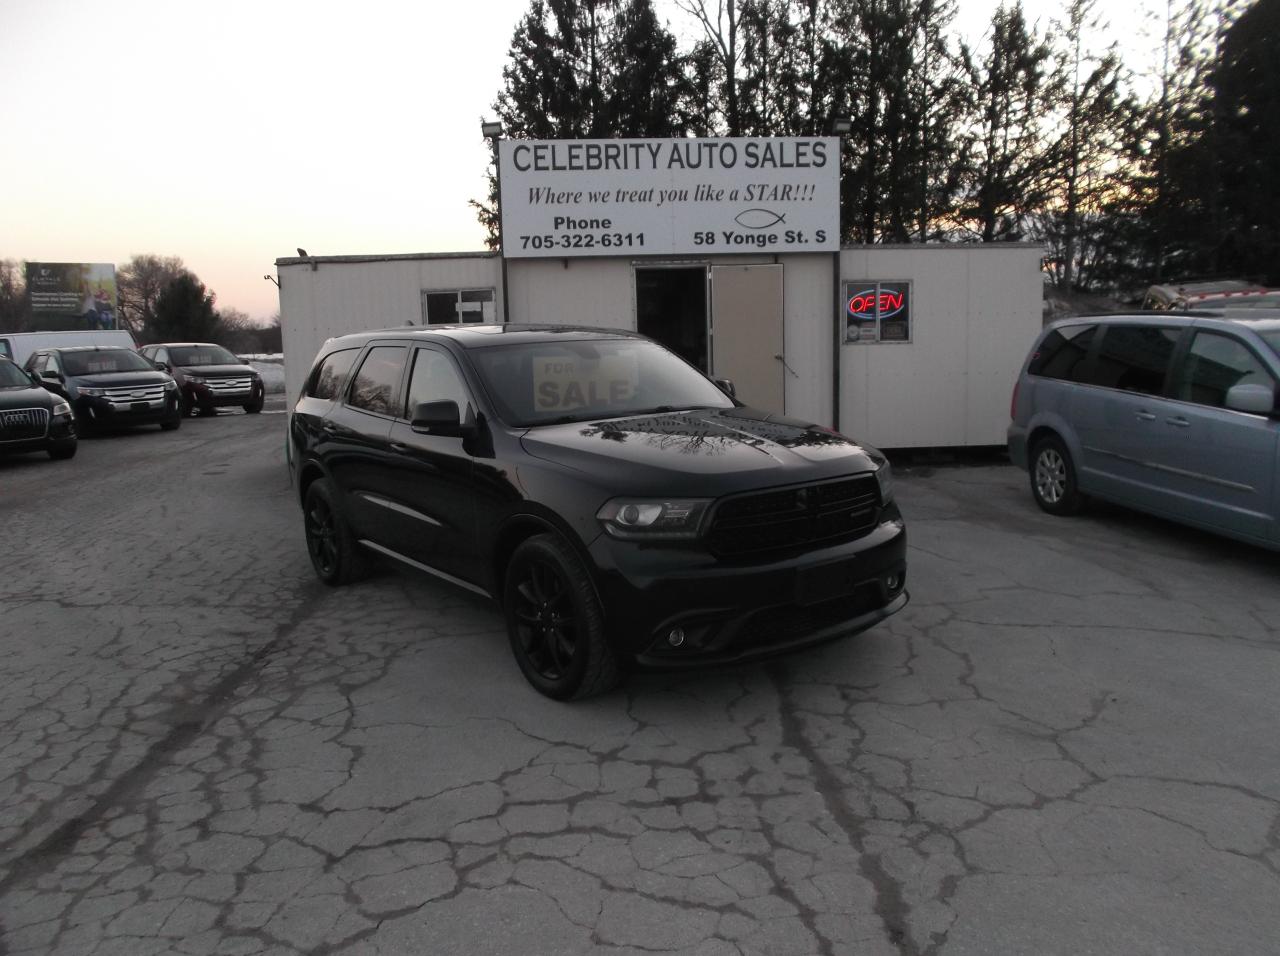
{"x":335,"y":555}
{"x":252,"y":408}
{"x":555,"y":622}
{"x":1053,"y":477}
{"x":61,"y":451}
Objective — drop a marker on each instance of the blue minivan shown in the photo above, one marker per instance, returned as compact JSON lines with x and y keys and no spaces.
{"x":1171,"y":413}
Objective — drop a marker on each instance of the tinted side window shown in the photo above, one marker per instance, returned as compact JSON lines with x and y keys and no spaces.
{"x":1063,"y":352}
{"x":435,"y":379}
{"x":1134,"y":358}
{"x":376,"y":386}
{"x":1214,"y":364}
{"x":326,"y":381}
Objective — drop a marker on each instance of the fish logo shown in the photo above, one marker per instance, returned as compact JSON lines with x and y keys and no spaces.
{"x":758,"y":218}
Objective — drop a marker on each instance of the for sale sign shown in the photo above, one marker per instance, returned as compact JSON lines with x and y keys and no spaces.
{"x":628,"y":197}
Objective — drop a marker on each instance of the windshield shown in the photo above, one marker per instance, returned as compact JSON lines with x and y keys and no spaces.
{"x":202,"y":355}
{"x":11,"y":375}
{"x":547,"y":383}
{"x":104,"y":360}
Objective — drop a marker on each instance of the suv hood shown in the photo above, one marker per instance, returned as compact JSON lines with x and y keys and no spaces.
{"x":216,"y":371}
{"x":749,"y":447}
{"x":117,"y":379}
{"x":27,"y":396}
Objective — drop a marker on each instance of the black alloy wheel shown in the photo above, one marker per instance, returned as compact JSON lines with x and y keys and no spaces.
{"x":335,"y":555}
{"x":555,"y":623}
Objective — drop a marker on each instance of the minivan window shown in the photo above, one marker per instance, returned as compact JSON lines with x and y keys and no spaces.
{"x":1134,"y":358}
{"x":328,"y":378}
{"x":376,"y":386}
{"x":1214,"y":364}
{"x":1063,"y":352}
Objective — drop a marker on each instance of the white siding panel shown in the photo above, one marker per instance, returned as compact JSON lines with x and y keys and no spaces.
{"x":809,"y":333}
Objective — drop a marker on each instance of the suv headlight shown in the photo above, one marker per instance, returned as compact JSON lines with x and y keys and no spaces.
{"x":653,"y":519}
{"x":62,"y":408}
{"x":95,"y":392}
{"x":884,"y":478}
{"x":171,"y":386}
{"x":195,"y":379}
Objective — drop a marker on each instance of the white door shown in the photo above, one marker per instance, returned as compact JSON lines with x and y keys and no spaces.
{"x":746,"y":333}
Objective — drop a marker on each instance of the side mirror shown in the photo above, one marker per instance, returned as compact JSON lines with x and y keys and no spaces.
{"x":162,"y":366}
{"x":726,"y":386}
{"x":1254,"y":398}
{"x":439,"y":418}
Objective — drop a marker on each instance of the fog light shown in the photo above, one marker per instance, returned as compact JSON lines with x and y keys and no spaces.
{"x":676,"y":637}
{"x":893,"y":582}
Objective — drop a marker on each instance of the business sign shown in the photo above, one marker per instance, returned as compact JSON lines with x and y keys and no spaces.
{"x":72,"y":295}
{"x":877,"y":311}
{"x":633,"y":197}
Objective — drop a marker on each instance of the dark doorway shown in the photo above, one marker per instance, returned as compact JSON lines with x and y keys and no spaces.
{"x":671,"y":308}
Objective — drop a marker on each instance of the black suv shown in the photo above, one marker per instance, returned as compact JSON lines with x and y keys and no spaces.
{"x":31,"y":418}
{"x":209,"y":376}
{"x":620,"y":506}
{"x":108,"y":386}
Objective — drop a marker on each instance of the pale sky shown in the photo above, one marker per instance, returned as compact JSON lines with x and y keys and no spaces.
{"x":231,"y":133}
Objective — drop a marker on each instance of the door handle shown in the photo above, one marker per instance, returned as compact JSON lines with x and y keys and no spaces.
{"x":399,"y":446}
{"x":786,"y":366}
{"x":329,"y":427}
{"x":1179,"y":422}
{"x":1145,"y":416}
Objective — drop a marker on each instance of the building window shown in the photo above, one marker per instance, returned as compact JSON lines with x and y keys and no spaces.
{"x":877,"y":311}
{"x":451,"y":306}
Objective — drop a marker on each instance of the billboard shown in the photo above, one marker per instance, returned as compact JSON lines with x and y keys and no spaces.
{"x":645,"y":197}
{"x":72,"y":295}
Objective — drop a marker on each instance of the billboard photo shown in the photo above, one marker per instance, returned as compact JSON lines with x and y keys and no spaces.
{"x":72,"y":295}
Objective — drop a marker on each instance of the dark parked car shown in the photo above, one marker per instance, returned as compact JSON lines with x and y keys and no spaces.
{"x":620,"y":506}
{"x":209,"y":376}
{"x":31,"y":418}
{"x":108,"y":386}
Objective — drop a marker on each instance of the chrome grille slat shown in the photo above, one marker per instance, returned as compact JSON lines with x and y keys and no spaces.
{"x":23,"y":424}
{"x":123,"y":396}
{"x":228,"y":385}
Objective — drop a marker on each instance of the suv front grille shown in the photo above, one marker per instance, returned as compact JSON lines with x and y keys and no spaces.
{"x":23,"y":424}
{"x":826,"y":512}
{"x":125,"y":395}
{"x":229,"y":386}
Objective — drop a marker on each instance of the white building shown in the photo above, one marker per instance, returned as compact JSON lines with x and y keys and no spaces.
{"x":933,"y":361}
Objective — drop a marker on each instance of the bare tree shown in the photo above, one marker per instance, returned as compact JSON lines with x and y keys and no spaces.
{"x":139,"y":283}
{"x":13,"y":296}
{"x":721,"y":29}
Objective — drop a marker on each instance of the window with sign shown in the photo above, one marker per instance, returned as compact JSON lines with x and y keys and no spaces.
{"x":877,"y":311}
{"x":454,"y":306}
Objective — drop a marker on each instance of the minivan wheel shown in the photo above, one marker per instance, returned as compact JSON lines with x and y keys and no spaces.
{"x":555,"y":622}
{"x":1053,"y":478}
{"x":335,"y":555}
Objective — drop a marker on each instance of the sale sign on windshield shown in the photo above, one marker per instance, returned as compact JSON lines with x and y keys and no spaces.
{"x":627,"y":197}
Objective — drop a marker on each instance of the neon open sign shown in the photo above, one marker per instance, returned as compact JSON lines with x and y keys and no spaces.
{"x":862,"y":305}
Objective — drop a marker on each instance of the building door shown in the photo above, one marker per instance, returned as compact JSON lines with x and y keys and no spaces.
{"x":746,"y":333}
{"x":671,"y":308}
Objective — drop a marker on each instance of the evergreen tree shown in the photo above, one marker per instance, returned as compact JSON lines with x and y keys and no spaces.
{"x":1010,"y":173}
{"x":184,"y":312}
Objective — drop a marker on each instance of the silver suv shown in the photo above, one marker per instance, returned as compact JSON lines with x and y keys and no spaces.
{"x":1173,"y":414}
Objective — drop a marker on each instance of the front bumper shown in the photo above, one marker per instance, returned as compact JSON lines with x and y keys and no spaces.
{"x":61,"y":431}
{"x":734,"y":611}
{"x":98,"y":412}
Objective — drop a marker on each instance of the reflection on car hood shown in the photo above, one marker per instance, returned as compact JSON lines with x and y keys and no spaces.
{"x":216,"y":371}
{"x":762,"y":449}
{"x":29,"y":396}
{"x":117,"y":379}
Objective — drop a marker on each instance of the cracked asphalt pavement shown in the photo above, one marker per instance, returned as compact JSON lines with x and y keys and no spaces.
{"x":1067,"y":743}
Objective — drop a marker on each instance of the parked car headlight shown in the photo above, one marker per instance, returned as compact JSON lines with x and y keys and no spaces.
{"x":195,"y":380}
{"x":884,"y":478}
{"x":62,"y":408}
{"x":171,"y":386}
{"x":653,"y":519}
{"x":95,"y":392}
